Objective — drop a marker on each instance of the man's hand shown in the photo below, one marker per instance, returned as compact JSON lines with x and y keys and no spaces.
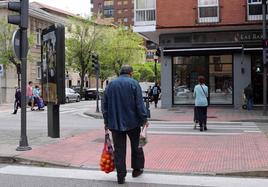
{"x":106,"y":127}
{"x":146,"y":124}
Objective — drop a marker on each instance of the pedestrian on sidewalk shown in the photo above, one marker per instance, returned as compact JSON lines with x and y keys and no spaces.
{"x":124,"y":114}
{"x":17,"y":103}
{"x":248,"y":91}
{"x":29,"y":94}
{"x":201,"y":102}
{"x":155,"y":92}
{"x":37,"y":98}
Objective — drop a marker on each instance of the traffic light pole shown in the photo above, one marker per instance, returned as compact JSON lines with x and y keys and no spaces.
{"x":264,"y":58}
{"x":97,"y":90}
{"x":23,"y":145}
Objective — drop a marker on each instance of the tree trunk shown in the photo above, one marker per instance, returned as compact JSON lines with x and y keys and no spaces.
{"x":82,"y":77}
{"x":102,"y":81}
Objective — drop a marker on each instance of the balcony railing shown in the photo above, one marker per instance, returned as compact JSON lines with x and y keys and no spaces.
{"x":254,"y":12}
{"x":145,"y":17}
{"x":209,"y":14}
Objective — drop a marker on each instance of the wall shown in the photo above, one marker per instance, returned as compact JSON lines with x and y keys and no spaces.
{"x":172,"y":13}
{"x":241,"y":80}
{"x":166,"y":82}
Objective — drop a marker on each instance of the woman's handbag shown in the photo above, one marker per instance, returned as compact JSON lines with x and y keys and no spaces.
{"x":107,"y":157}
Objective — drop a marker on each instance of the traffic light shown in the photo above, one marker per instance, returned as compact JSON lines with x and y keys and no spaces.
{"x":22,"y":7}
{"x":95,"y":62}
{"x":158,"y":52}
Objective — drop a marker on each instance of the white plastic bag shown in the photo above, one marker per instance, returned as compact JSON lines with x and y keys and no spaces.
{"x":143,"y":136}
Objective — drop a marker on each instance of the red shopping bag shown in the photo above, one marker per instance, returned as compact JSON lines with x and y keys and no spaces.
{"x":107,"y":157}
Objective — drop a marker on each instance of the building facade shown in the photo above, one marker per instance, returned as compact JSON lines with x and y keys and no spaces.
{"x":119,"y":12}
{"x":38,"y":20}
{"x":219,"y":39}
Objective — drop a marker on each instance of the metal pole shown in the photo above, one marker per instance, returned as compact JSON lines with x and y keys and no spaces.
{"x":155,"y":69}
{"x":264,"y":59}
{"x":97,"y":91}
{"x":148,"y":105}
{"x":18,"y":67}
{"x":23,"y":144}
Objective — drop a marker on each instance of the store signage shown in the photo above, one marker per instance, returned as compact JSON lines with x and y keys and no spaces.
{"x":205,"y":38}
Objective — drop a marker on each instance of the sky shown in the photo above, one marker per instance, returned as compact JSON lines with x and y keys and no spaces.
{"x":81,"y":7}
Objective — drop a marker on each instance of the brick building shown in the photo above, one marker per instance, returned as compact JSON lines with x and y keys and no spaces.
{"x":219,"y":39}
{"x":117,"y":11}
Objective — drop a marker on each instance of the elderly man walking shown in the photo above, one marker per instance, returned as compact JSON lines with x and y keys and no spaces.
{"x":124,"y":113}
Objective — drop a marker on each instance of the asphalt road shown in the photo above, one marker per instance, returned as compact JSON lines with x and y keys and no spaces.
{"x":72,"y":122}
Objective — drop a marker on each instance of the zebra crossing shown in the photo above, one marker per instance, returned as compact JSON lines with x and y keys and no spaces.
{"x":214,"y":128}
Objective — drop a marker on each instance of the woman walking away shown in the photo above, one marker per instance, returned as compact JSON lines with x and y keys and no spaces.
{"x":201,"y":102}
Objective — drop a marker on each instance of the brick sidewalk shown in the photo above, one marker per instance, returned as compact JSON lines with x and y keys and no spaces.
{"x":167,"y":153}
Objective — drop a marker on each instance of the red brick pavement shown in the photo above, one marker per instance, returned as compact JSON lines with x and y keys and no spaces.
{"x":183,"y":154}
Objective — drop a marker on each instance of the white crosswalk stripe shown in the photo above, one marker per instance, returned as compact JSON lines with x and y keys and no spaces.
{"x":214,"y":128}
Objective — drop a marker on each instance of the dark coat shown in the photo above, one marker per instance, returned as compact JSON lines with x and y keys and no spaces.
{"x":123,"y":107}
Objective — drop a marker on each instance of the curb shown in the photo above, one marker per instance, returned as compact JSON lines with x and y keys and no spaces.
{"x":99,"y":116}
{"x":24,"y":161}
{"x":38,"y":163}
{"x":94,"y":115}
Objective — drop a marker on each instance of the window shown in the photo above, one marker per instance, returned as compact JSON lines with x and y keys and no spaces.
{"x":208,"y":11}
{"x":218,"y":71}
{"x":108,"y":3}
{"x":125,"y":20}
{"x":125,"y":2}
{"x":38,"y":37}
{"x":254,"y":10}
{"x":145,"y":10}
{"x":119,"y":12}
{"x":108,"y":13}
{"x":38,"y":72}
{"x":119,"y":3}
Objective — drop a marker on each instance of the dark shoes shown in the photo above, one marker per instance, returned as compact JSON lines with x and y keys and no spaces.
{"x":120,"y":180}
{"x":203,"y":128}
{"x":137,"y":172}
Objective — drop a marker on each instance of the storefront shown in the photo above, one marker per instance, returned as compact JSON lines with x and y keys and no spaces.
{"x":229,"y":60}
{"x":218,"y":70}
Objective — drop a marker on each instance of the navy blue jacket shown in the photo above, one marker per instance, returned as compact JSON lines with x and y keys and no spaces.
{"x":123,"y":107}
